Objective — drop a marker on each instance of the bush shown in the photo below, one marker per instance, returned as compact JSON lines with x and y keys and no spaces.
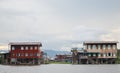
{"x":118,"y":60}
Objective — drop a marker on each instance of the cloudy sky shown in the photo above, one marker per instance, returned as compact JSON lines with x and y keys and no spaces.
{"x":59,"y":23}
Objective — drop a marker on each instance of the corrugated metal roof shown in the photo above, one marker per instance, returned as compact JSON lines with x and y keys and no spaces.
{"x":100,"y":42}
{"x":25,"y":43}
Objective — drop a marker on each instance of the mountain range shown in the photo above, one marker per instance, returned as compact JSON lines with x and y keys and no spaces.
{"x":52,"y":53}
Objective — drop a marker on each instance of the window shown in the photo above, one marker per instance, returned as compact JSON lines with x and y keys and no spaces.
{"x":26,"y":47}
{"x":89,"y":46}
{"x":38,"y":54}
{"x":22,"y":48}
{"x":31,"y":48}
{"x":89,"y":54}
{"x":26,"y":54}
{"x":35,"y":47}
{"x":109,"y":54}
{"x":94,"y":55}
{"x":99,"y":47}
{"x":104,"y":55}
{"x":13,"y":48}
{"x":94,"y":47}
{"x":109,"y":46}
{"x":104,"y":46}
{"x":22,"y":54}
{"x":114,"y":46}
{"x":99,"y":54}
{"x":31,"y":54}
{"x":114,"y":54}
{"x":18,"y":54}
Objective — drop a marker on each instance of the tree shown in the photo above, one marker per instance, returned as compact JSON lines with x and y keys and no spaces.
{"x":118,"y":56}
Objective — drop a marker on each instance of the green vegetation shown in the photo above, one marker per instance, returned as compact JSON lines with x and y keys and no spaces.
{"x":118,"y":58}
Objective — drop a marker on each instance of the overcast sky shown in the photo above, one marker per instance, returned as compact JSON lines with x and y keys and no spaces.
{"x":59,"y":23}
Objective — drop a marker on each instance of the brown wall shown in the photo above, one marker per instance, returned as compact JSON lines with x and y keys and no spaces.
{"x":23,"y":52}
{"x":103,"y":51}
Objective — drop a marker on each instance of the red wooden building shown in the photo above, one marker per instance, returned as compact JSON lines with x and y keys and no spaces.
{"x":25,"y":53}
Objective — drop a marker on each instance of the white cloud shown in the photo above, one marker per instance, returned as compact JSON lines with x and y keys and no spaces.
{"x":65,"y":49}
{"x":113,"y":35}
{"x":58,"y":23}
{"x":29,"y":6}
{"x":65,"y":37}
{"x":78,"y":45}
{"x":32,"y":15}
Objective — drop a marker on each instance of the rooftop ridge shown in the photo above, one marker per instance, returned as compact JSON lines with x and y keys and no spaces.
{"x":25,"y":43}
{"x":100,"y":42}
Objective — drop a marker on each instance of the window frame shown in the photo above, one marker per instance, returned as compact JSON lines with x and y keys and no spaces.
{"x":13,"y":48}
{"x":35,"y":47}
{"x":109,"y":46}
{"x":113,"y":46}
{"x":99,"y":47}
{"x":31,"y":47}
{"x":94,"y":47}
{"x":26,"y":54}
{"x":22,"y":48}
{"x":26,"y":48}
{"x":89,"y":46}
{"x":104,"y":47}
{"x":104,"y":55}
{"x":99,"y":55}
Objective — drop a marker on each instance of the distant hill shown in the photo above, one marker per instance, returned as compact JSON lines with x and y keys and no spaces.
{"x":52,"y":53}
{"x":4,"y":51}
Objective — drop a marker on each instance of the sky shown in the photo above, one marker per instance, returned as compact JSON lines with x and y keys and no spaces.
{"x":59,"y":24}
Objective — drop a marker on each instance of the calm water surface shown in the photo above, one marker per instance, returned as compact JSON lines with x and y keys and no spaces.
{"x":61,"y":68}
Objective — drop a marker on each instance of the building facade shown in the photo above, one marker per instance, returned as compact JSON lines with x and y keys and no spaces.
{"x":25,"y":53}
{"x":98,"y":52}
{"x":5,"y":57}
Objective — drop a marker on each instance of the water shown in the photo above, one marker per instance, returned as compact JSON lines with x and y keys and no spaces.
{"x":61,"y":68}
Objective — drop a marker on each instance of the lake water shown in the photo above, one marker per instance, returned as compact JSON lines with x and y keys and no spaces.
{"x":61,"y":68}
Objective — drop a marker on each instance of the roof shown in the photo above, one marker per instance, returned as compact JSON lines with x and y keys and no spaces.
{"x":25,"y":43}
{"x":100,"y":42}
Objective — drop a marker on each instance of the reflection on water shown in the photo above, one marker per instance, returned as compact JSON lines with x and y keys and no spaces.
{"x":58,"y":68}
